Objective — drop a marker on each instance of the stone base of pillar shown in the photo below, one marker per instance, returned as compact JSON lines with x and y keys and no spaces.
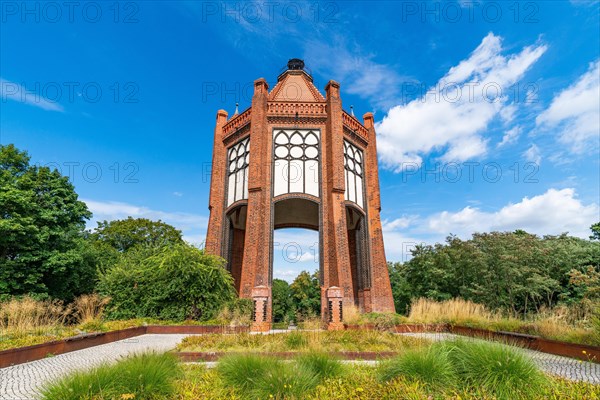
{"x":335,"y":313}
{"x":260,"y":317}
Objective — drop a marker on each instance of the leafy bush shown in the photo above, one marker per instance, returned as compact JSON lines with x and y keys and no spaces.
{"x":178,"y":282}
{"x":503,"y":371}
{"x":142,"y":376}
{"x":429,"y":365}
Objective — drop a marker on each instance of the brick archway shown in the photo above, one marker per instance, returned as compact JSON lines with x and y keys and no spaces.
{"x":277,"y":160}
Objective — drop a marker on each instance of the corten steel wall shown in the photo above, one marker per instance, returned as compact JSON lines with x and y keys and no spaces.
{"x":309,"y":109}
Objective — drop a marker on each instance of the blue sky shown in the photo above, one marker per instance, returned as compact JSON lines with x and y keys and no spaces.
{"x":487,"y":112}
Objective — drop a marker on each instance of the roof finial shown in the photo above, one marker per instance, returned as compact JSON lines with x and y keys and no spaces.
{"x":352,"y":110}
{"x":236,"y":109}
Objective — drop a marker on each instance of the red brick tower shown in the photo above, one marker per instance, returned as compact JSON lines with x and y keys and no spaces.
{"x":297,"y":159}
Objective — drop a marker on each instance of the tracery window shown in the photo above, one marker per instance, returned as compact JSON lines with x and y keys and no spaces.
{"x":238,"y":157}
{"x":296,"y":162}
{"x":353,"y":164}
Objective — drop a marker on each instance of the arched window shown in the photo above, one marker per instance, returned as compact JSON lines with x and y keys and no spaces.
{"x":237,"y":170}
{"x":296,"y":160}
{"x":353,"y":164}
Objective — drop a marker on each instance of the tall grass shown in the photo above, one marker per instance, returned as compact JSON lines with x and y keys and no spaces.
{"x":89,"y":307}
{"x":431,"y":366}
{"x":259,"y":377}
{"x":22,"y":316}
{"x":140,"y":377}
{"x":455,"y":310}
{"x":500,"y":370}
{"x":322,"y":365}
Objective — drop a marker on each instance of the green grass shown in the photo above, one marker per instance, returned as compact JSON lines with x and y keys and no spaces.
{"x":431,"y":366}
{"x":361,"y":382}
{"x":302,"y":341}
{"x":503,"y":371}
{"x":255,"y":376}
{"x":322,"y":365}
{"x":142,"y":376}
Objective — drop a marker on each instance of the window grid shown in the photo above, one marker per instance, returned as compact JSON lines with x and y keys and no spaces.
{"x":301,"y":147}
{"x":353,"y":165}
{"x":238,"y":158}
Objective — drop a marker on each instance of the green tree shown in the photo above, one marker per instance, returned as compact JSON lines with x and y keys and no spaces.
{"x":173,"y":282}
{"x":595,"y":231}
{"x":125,"y":234}
{"x":42,"y":249}
{"x":306,"y":294}
{"x":283,"y":305}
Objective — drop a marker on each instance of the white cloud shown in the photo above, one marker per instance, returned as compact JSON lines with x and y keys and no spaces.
{"x":13,"y":91}
{"x":453,"y":115}
{"x":575,"y":113}
{"x":533,"y":154}
{"x":510,"y":136}
{"x":193,"y":226}
{"x":399,"y":223}
{"x":553,"y":212}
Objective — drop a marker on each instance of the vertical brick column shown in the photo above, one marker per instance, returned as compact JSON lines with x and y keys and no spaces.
{"x":216,"y":202}
{"x":335,"y":313}
{"x":257,"y":246}
{"x":381,"y":299}
{"x":261,"y":320}
{"x":336,"y":259}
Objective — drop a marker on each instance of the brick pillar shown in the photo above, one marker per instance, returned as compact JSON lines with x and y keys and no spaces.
{"x":336,"y":259}
{"x":261,"y":316}
{"x":216,"y":202}
{"x":257,"y":247}
{"x":379,"y":298}
{"x":335,"y":313}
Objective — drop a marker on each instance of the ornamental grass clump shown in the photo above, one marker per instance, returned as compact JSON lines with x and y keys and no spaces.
{"x":322,"y":365}
{"x":255,"y":376}
{"x":500,"y":370}
{"x":431,"y":366}
{"x":140,"y":377}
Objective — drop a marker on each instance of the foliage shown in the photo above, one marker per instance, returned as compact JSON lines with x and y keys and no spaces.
{"x":125,"y":234}
{"x":321,"y":365}
{"x":177,"y":282}
{"x":142,"y":376}
{"x":259,"y":377}
{"x":283,"y":305}
{"x":301,"y":341}
{"x":306,"y":294}
{"x":361,"y":383}
{"x":501,"y":370}
{"x":42,"y":250}
{"x":595,"y":228}
{"x":237,"y":312}
{"x":430,"y":365}
{"x":512,"y":271}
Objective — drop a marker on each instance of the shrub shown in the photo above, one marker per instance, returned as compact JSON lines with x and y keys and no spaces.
{"x":144,"y":376}
{"x":178,"y":282}
{"x":429,"y":365}
{"x":503,"y":371}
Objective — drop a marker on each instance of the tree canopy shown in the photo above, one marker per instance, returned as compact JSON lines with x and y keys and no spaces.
{"x":42,"y":250}
{"x":125,"y":234}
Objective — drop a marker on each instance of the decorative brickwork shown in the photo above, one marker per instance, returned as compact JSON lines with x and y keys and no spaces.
{"x":352,"y":259}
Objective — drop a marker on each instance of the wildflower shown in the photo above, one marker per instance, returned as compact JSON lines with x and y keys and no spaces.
{"x":128,"y":396}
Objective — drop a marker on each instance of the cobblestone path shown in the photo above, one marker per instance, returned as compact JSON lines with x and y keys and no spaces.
{"x":23,"y":381}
